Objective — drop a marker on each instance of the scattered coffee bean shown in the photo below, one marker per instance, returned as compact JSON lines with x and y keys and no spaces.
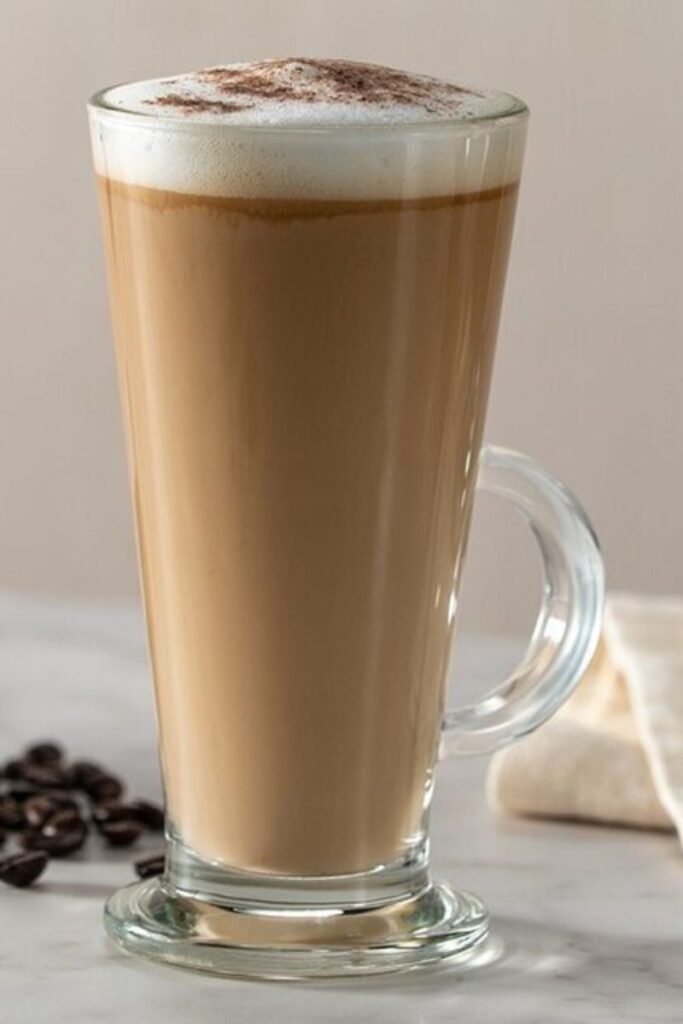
{"x":22,"y":869}
{"x":11,"y":814}
{"x":14,"y":769}
{"x":82,"y":773}
{"x":44,"y":753}
{"x":56,"y":842}
{"x":148,"y":867}
{"x":38,"y":809}
{"x":18,"y":790}
{"x":64,"y":820}
{"x":60,"y":800}
{"x":148,"y":814}
{"x":37,"y":800}
{"x":110,"y":810}
{"x":121,"y":833}
{"x":106,"y":787}
{"x":63,"y":798}
{"x":45,"y":776}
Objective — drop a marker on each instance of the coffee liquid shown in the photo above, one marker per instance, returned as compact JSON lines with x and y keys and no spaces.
{"x":304,"y":387}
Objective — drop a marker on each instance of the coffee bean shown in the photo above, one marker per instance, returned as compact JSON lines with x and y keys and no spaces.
{"x":71,"y":778}
{"x":121,"y":833}
{"x":63,"y":799}
{"x":81,"y":773}
{"x":23,"y":868}
{"x":40,"y":805}
{"x":58,"y":843}
{"x":44,"y":753}
{"x":18,"y":790}
{"x":14,"y":769}
{"x":148,"y":814}
{"x":11,"y":814}
{"x":107,"y":787}
{"x":38,"y":809}
{"x":45,"y":776}
{"x":108,"y":811}
{"x":64,"y":820}
{"x":148,"y":867}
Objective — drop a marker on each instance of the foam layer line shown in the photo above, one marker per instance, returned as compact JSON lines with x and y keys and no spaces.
{"x":176,"y":138}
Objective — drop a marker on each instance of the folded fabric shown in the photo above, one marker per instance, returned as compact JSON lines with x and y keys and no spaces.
{"x":614,"y":752}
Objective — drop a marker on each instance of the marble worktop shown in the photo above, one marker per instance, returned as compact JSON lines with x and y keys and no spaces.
{"x":588,"y":922}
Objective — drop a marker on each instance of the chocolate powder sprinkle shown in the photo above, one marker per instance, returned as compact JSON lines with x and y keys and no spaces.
{"x":195,"y":105}
{"x":307,"y":80}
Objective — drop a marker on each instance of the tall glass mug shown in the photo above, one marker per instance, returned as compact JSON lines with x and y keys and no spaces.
{"x":305,"y":320}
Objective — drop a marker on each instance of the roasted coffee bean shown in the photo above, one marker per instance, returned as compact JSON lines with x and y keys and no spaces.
{"x":64,"y":820}
{"x":14,"y":769}
{"x":60,"y":799}
{"x":38,"y":809}
{"x":23,"y":868}
{"x":58,"y":843}
{"x":110,"y":810}
{"x":107,"y":787}
{"x":11,"y":814}
{"x":22,"y":791}
{"x":63,"y":798}
{"x":80,"y":773}
{"x":148,"y":867}
{"x":45,"y":776}
{"x":44,"y":753}
{"x":148,"y":814}
{"x":18,"y":789}
{"x":71,"y":780}
{"x":121,"y":833}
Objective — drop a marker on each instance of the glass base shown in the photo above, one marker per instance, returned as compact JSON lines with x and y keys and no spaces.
{"x":152,"y":920}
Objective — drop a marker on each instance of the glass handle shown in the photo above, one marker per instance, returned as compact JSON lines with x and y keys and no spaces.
{"x":568,"y":624}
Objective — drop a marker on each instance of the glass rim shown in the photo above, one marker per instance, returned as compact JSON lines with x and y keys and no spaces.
{"x":511,"y":108}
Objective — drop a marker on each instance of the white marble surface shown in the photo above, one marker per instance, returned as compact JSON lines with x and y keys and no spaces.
{"x":588,"y":921}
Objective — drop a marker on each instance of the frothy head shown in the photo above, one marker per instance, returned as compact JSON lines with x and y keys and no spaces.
{"x":306,"y":91}
{"x":297,"y":93}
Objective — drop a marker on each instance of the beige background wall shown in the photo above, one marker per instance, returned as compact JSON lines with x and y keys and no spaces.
{"x":590,"y":369}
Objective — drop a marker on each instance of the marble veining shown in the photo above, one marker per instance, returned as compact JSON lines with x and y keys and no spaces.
{"x":588,"y":922}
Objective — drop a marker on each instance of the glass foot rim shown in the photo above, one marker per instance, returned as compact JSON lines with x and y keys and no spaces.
{"x":149,"y":919}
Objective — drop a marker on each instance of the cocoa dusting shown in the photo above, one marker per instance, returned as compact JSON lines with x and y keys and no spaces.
{"x":306,"y":80}
{"x":193,"y":105}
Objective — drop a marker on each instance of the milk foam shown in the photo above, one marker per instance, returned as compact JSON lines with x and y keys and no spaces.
{"x":429,"y":138}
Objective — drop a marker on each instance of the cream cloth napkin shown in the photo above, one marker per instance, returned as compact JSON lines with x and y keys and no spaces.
{"x":614,"y":752}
